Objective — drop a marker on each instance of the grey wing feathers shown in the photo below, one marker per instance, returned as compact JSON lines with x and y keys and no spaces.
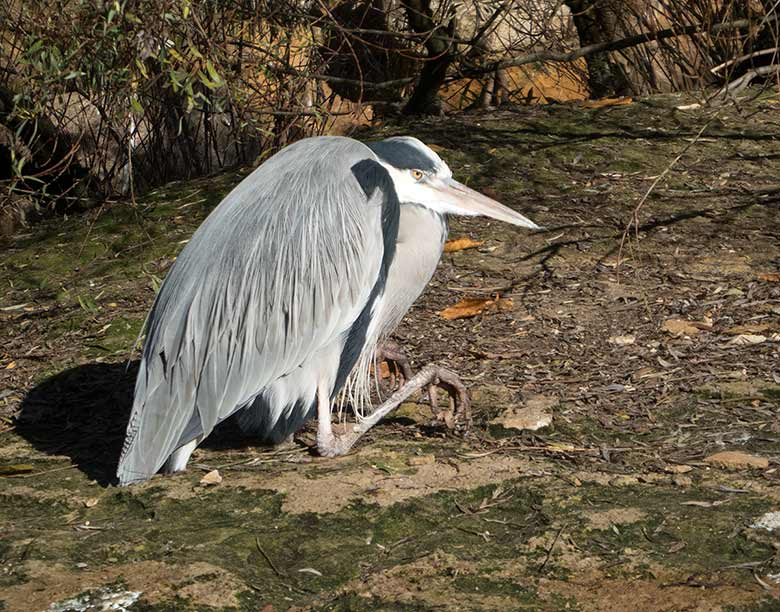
{"x":282,"y":267}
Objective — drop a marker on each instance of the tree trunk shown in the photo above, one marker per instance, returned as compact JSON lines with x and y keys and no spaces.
{"x":425,"y":97}
{"x":596,"y":22}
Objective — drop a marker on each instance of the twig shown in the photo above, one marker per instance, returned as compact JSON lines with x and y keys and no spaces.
{"x":59,"y":469}
{"x":549,"y":550}
{"x":634,"y":221}
{"x":268,"y":559}
{"x":744,"y":81}
{"x":742,"y":58}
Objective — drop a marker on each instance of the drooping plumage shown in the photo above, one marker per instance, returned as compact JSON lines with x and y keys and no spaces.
{"x":284,"y":291}
{"x":268,"y":288}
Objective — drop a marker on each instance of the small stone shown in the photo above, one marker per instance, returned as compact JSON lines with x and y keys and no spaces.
{"x":682,"y":481}
{"x":211,"y":479}
{"x":418,"y":460}
{"x":535,"y":414}
{"x":769,"y":521}
{"x":737,"y":460}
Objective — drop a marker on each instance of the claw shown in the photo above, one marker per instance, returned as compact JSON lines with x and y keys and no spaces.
{"x":459,"y":405}
{"x":398,"y":363}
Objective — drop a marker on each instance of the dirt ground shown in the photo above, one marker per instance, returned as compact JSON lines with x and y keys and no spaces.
{"x":649,"y":365}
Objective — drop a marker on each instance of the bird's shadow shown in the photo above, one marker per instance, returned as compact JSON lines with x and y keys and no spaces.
{"x":82,"y":413}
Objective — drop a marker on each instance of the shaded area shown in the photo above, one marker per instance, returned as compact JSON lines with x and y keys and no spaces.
{"x":81,"y":413}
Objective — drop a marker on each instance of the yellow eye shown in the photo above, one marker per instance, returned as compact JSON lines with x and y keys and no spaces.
{"x":417,"y":174}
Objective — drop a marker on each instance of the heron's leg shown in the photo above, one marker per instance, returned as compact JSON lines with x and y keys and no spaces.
{"x":179,"y":458}
{"x":326,"y":441}
{"x":330,"y":445}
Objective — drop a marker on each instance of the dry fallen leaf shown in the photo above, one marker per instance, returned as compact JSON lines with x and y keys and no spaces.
{"x":622,"y":340}
{"x":737,"y":460}
{"x":705,"y":504}
{"x":743,"y":339}
{"x":210,"y":479}
{"x":11,"y":366}
{"x":678,"y":327}
{"x":685,"y":107}
{"x":384,"y":370}
{"x":461,"y":244}
{"x":678,"y":469}
{"x":91,"y":502}
{"x":604,"y":102}
{"x":748,"y":329}
{"x":471,"y":307}
{"x":770,"y":277}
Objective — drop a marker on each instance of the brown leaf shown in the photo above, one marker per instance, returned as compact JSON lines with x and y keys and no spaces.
{"x":384,"y":370}
{"x":737,"y":460}
{"x":604,"y":102}
{"x":461,"y":244}
{"x":770,"y":277}
{"x":471,"y":307}
{"x":678,"y":469}
{"x":748,"y":329}
{"x":678,"y":327}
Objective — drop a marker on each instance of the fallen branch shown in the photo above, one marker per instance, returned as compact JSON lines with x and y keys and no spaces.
{"x":746,"y":79}
{"x":743,"y":58}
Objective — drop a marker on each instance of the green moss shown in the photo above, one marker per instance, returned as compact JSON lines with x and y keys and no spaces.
{"x":487,"y":586}
{"x":673,"y":531}
{"x":350,"y":602}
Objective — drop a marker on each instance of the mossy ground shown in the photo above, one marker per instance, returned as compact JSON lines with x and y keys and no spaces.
{"x":610,"y":508}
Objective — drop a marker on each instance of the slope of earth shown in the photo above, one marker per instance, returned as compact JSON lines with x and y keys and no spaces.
{"x":650,"y":359}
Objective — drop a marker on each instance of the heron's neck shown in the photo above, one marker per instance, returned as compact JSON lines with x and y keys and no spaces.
{"x":422,"y":223}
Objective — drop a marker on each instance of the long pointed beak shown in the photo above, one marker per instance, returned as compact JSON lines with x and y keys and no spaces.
{"x":466,"y":201}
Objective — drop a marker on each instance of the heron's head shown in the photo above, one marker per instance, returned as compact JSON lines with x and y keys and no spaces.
{"x":421,"y":177}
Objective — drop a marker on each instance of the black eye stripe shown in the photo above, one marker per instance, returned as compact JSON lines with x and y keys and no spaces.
{"x":404,"y":156}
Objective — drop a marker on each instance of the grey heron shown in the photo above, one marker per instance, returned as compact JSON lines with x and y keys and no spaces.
{"x":278,"y":302}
